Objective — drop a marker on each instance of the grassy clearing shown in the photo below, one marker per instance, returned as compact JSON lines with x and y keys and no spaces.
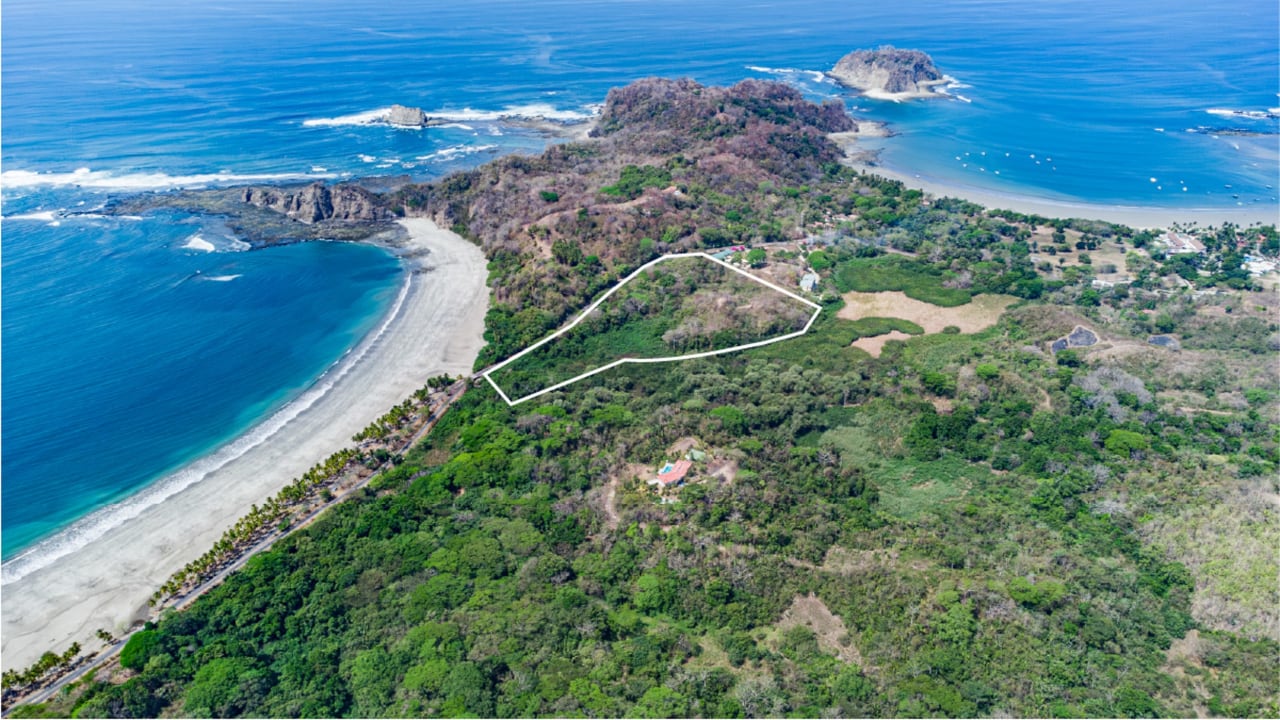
{"x":891,"y":273}
{"x":682,"y":306}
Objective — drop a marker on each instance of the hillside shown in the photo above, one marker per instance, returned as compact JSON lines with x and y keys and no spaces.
{"x":968,"y":524}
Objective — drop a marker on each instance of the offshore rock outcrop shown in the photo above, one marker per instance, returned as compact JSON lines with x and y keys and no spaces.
{"x":408,"y":117}
{"x":889,"y":73}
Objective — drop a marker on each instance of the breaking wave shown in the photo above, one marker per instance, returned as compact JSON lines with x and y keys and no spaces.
{"x":458,"y":118}
{"x":111,"y":180}
{"x":94,"y":526}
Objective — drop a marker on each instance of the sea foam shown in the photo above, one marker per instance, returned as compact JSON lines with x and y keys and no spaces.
{"x":196,"y":242}
{"x":457,"y":151}
{"x":458,"y":118}
{"x":111,"y":180}
{"x":94,"y":526}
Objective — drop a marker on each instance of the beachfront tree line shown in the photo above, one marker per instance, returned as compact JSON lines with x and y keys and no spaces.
{"x":394,"y":419}
{"x":13,"y":679}
{"x":257,"y":523}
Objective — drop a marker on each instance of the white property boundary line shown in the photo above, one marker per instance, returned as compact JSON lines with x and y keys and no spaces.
{"x":489,"y":373}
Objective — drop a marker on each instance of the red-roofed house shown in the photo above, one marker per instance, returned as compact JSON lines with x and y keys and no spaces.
{"x":673,"y":473}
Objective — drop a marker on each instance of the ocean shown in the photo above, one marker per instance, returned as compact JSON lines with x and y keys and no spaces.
{"x":133,"y":347}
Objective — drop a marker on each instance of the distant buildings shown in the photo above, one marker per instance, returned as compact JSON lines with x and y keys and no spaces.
{"x":1258,"y":266}
{"x":1179,"y":243}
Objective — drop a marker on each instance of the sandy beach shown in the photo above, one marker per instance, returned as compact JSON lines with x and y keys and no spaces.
{"x":437,"y":328}
{"x":1133,"y":216}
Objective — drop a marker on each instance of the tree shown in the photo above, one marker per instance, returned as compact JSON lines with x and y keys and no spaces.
{"x":756,"y":257}
{"x":1126,"y":442}
{"x":135,"y":652}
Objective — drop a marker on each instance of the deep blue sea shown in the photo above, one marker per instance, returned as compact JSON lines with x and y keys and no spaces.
{"x":130,"y":348}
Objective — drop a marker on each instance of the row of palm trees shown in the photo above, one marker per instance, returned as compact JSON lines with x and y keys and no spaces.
{"x":382,"y":428}
{"x":20,"y":679}
{"x":261,"y":519}
{"x":273,"y":513}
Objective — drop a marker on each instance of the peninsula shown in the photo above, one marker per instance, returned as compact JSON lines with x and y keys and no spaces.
{"x":836,"y":524}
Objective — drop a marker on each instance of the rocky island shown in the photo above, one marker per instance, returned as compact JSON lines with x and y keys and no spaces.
{"x":415,"y":118}
{"x":888,"y":73}
{"x":405,"y":116}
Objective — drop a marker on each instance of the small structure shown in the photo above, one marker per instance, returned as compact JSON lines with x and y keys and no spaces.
{"x":673,"y":474}
{"x":1179,"y":243}
{"x":1258,"y":266}
{"x":695,"y":455}
{"x":809,"y":282}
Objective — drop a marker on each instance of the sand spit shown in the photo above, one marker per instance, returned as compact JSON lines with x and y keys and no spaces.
{"x":437,"y":329}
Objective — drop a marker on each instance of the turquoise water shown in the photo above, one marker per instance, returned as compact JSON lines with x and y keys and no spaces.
{"x":124,"y":360}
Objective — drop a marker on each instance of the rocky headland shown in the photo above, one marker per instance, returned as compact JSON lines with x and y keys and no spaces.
{"x":889,"y":73}
{"x":264,"y":215}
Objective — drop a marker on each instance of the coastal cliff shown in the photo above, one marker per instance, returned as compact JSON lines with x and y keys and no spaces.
{"x":318,"y":202}
{"x":888,"y":73}
{"x":263,"y":215}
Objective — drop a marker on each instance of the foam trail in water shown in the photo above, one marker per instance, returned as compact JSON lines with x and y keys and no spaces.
{"x":195,"y":242}
{"x":94,"y":526}
{"x":368,"y":117}
{"x":84,"y":177}
{"x":41,"y":215}
{"x":458,"y":118}
{"x":457,"y":151}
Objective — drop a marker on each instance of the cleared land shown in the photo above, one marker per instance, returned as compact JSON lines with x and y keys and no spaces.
{"x":682,"y":306}
{"x":978,"y":314}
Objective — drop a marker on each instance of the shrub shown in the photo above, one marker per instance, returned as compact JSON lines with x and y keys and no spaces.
{"x":1126,"y":442}
{"x":135,"y":652}
{"x":550,"y":196}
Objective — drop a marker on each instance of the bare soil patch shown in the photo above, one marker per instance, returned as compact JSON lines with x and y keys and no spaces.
{"x":833,"y":637}
{"x":875,"y":345}
{"x":979,"y":314}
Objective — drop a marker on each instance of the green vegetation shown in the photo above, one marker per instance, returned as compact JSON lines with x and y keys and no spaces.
{"x":969,"y":524}
{"x":895,"y":273}
{"x":678,"y":307}
{"x":634,"y":180}
{"x":483,"y":581}
{"x":872,"y":326}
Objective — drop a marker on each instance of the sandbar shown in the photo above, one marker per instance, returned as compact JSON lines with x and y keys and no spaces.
{"x":437,"y":328}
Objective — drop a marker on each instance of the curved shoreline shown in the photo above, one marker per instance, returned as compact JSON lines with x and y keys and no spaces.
{"x":106,"y":583}
{"x":1135,"y":216}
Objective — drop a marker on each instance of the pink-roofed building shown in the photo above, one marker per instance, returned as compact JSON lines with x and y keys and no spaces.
{"x":673,"y":473}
